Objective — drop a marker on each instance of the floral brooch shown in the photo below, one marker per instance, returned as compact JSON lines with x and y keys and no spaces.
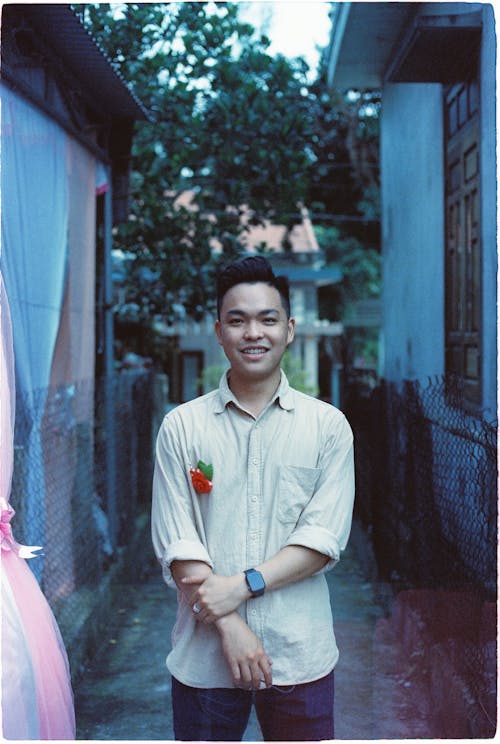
{"x":201,"y":477}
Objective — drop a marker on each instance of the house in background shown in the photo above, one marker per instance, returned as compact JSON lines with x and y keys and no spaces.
{"x":67,"y":121}
{"x":436,"y":67}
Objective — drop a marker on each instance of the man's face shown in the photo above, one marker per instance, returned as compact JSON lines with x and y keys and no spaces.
{"x":253,"y":330}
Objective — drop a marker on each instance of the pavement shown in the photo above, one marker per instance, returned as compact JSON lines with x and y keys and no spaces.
{"x":124,"y":689}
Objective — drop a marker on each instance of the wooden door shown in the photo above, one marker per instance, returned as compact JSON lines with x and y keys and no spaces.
{"x":463,"y":243}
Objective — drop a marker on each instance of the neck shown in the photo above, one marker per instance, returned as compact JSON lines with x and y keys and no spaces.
{"x":254,"y":395}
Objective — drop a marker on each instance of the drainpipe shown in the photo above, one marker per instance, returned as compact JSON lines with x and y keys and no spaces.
{"x":109,"y":368}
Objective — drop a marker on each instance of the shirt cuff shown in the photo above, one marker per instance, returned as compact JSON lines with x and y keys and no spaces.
{"x":182,"y":550}
{"x":319,"y":539}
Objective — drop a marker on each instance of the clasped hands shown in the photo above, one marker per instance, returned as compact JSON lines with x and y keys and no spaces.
{"x":217,"y":598}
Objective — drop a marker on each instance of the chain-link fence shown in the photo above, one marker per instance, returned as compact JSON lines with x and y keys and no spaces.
{"x":427,"y":493}
{"x":82,"y":474}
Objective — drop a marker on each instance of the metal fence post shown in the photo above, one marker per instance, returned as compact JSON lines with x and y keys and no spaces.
{"x":109,"y":370}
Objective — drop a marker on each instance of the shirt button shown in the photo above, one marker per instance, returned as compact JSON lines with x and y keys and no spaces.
{"x":254,"y":612}
{"x":255,"y":461}
{"x":254,"y":498}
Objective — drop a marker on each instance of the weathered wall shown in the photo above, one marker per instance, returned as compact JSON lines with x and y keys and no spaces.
{"x":413,"y":231}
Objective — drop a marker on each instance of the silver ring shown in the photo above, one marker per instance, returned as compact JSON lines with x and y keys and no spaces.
{"x":196,"y":608}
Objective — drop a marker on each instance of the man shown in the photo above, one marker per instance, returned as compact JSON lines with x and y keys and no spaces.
{"x":252,"y":502}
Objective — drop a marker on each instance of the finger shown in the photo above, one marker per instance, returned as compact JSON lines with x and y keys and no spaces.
{"x":257,"y":675}
{"x":251,"y":676}
{"x":204,"y":615}
{"x":192,"y":580}
{"x":236,"y":674}
{"x":266,"y":671}
{"x":246,"y":680}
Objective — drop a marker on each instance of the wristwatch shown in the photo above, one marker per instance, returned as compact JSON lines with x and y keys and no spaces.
{"x":255,"y":582}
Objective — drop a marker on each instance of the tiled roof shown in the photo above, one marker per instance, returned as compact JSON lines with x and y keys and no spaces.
{"x":302,"y":238}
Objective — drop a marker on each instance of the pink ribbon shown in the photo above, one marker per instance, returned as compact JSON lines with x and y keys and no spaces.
{"x":7,"y":541}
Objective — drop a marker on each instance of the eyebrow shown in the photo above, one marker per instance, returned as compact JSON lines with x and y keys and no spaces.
{"x":261,"y":312}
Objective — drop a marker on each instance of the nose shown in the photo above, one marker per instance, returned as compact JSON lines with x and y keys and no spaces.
{"x":253,"y":329}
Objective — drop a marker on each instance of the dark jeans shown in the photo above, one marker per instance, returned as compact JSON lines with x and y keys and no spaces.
{"x":294,"y":713}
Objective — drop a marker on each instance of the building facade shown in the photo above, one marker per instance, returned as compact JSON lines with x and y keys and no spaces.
{"x":435,"y":64}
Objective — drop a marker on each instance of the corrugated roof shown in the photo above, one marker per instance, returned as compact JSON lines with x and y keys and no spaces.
{"x":75,"y":46}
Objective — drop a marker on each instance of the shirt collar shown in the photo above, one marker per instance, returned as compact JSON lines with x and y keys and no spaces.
{"x":283,"y":395}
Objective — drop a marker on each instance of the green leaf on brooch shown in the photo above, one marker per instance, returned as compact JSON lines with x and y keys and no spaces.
{"x":207,"y":470}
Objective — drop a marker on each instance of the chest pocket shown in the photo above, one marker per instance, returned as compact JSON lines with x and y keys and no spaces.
{"x":296,"y":486}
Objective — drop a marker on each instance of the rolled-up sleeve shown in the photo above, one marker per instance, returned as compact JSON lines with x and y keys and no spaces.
{"x":325,"y":522}
{"x":176,"y":527}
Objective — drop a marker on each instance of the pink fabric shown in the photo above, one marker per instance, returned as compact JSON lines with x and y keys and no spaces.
{"x":37,"y":699}
{"x":7,"y":540}
{"x":54,"y":697}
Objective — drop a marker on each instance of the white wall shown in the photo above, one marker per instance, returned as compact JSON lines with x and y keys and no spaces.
{"x":413,"y":231}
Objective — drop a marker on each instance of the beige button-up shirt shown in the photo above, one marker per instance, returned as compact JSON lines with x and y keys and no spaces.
{"x":283,"y":478}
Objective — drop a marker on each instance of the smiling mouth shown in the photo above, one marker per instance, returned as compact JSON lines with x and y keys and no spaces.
{"x":254,"y":351}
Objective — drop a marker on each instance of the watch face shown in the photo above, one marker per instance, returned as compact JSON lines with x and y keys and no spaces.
{"x":255,"y":582}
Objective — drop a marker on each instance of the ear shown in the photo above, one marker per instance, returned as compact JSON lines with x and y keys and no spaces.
{"x":291,"y":331}
{"x":218,"y":332}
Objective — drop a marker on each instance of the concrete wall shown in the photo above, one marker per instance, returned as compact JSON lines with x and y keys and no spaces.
{"x":488,"y":169}
{"x":412,"y":231}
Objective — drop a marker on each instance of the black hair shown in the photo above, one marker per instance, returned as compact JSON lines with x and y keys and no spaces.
{"x":251,"y":270}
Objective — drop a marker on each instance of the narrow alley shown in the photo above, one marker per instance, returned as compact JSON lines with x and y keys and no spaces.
{"x":145,"y":146}
{"x":124,"y":692}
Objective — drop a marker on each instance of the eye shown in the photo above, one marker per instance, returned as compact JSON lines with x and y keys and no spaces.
{"x":270,"y":320}
{"x":235,"y":321}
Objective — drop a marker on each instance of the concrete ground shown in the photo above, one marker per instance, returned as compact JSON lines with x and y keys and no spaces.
{"x":124,"y":692}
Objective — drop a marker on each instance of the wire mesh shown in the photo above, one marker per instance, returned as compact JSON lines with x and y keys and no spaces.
{"x":83,"y":459}
{"x":426,"y":472}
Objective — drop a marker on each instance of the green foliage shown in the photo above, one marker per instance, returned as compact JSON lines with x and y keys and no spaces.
{"x":362,"y":280}
{"x":229,"y":123}
{"x":297,"y":378}
{"x":361,"y":268}
{"x":291,"y":366}
{"x":210,"y":377}
{"x":344,"y":179}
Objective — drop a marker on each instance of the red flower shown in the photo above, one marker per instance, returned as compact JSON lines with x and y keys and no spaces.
{"x":200,"y":481}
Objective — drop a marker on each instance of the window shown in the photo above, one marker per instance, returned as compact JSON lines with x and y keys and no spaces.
{"x":463,"y":245}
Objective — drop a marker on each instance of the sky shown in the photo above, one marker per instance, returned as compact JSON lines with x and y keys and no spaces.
{"x":295,"y":27}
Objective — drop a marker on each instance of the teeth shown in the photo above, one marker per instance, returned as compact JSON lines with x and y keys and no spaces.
{"x":254,"y":351}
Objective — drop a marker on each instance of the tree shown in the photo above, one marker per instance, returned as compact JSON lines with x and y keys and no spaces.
{"x":229,"y":125}
{"x":361,"y":280}
{"x":344,"y":180}
{"x":344,"y":191}
{"x":230,"y":128}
